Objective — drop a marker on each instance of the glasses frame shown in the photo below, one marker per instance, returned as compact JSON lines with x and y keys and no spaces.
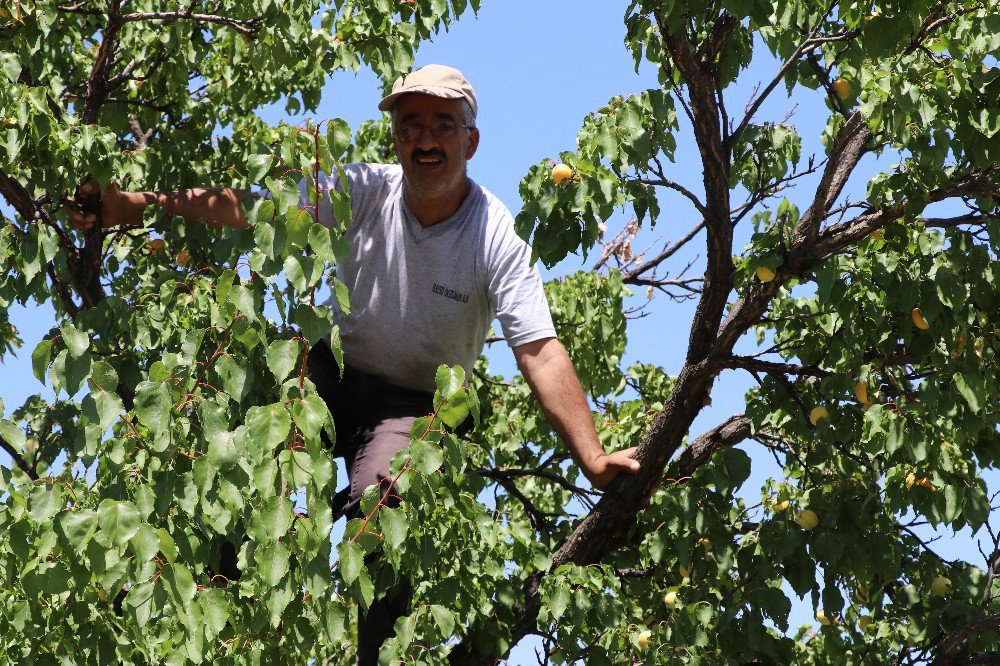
{"x":423,"y":128}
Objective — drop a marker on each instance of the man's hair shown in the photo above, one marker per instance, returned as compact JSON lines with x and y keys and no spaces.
{"x":468,"y":118}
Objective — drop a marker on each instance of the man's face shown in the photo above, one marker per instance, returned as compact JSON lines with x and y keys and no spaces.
{"x":433,"y":167}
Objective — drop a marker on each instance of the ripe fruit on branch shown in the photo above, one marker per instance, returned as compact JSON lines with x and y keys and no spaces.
{"x":918,"y":319}
{"x":823,"y":619}
{"x":765,"y":274}
{"x":842,"y":88}
{"x":561,"y":172}
{"x":643,"y":639}
{"x":183,"y":257}
{"x":807,"y":519}
{"x":861,"y":391}
{"x":670,"y":598}
{"x":863,"y":622}
{"x":156,"y":245}
{"x":817,"y":414}
{"x":941,"y":587}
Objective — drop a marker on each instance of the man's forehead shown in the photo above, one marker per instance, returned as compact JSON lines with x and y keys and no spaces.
{"x":414,"y":105}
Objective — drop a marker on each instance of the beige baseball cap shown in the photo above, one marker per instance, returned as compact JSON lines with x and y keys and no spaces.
{"x":437,"y":80}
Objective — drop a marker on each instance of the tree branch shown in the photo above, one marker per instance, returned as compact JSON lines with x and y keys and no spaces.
{"x":696,"y":68}
{"x":245,"y":28}
{"x":849,"y":146}
{"x":18,"y":459}
{"x":949,"y":648}
{"x":771,"y":367}
{"x":808,"y":43}
{"x":663,"y":256}
{"x":730,"y":432}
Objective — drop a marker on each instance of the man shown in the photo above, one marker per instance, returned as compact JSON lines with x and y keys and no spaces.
{"x":434,"y":258}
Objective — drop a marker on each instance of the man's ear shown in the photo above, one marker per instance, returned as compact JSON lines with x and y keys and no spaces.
{"x":473,"y":143}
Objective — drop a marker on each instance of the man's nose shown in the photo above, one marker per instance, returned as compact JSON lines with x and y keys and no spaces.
{"x":426,"y":140}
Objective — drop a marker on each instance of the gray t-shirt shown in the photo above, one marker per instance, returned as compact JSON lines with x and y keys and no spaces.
{"x":422,"y":297}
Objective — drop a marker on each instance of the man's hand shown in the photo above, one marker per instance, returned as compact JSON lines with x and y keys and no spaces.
{"x":550,"y":374}
{"x":116,"y":208}
{"x":603,"y":469}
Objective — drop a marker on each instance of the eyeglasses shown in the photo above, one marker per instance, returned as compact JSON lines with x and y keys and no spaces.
{"x":440,"y":129}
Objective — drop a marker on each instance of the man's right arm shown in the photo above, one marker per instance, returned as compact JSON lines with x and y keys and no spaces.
{"x":216,"y":207}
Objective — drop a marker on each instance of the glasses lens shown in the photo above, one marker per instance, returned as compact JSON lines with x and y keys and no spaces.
{"x":409,"y":133}
{"x":440,"y":129}
{"x":443,"y":128}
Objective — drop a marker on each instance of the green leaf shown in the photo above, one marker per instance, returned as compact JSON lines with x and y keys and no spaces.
{"x":449,"y":380}
{"x":338,"y":137}
{"x":214,"y":611}
{"x":276,"y":516}
{"x":13,"y":434}
{"x":393,"y":524}
{"x":140,"y":599}
{"x":310,"y":414}
{"x":223,"y":452}
{"x":145,"y":544}
{"x":445,"y":620}
{"x":319,"y":241}
{"x":102,"y":408}
{"x":335,"y":621}
{"x":45,"y":503}
{"x":167,"y":546}
{"x":118,"y":520}
{"x":77,"y":342}
{"x":267,"y":427}
{"x":103,"y":375}
{"x":11,"y":66}
{"x":234,"y":377}
{"x":179,"y":584}
{"x":243,"y":299}
{"x":40,"y":359}
{"x":426,"y":457}
{"x":455,"y":410}
{"x":77,"y":526}
{"x":343,"y":296}
{"x":272,"y":562}
{"x":973,"y":389}
{"x":258,"y":166}
{"x":283,"y":357}
{"x":152,"y":405}
{"x":352,"y":560}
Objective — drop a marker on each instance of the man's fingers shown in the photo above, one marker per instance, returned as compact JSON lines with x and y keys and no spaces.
{"x":89,"y":187}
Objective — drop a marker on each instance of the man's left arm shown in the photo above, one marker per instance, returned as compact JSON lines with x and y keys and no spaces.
{"x":549,"y":372}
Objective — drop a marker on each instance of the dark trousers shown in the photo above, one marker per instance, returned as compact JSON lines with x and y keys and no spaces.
{"x":372,"y":420}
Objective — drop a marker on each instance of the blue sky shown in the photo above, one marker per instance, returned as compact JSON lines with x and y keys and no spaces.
{"x":538,"y":68}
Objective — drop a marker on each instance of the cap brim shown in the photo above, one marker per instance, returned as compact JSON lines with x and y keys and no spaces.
{"x":436,"y":91}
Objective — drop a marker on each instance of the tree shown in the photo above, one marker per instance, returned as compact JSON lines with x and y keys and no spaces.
{"x":184,"y":421}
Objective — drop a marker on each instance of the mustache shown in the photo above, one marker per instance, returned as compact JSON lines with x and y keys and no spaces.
{"x":433,"y":152}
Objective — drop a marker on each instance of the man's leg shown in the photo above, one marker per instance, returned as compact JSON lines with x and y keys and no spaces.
{"x":379,"y":442}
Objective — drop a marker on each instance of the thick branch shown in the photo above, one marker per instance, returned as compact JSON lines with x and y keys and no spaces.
{"x":949,"y":648}
{"x":697,"y":68}
{"x":730,"y":432}
{"x":771,"y":367}
{"x":849,"y":147}
{"x":18,"y":459}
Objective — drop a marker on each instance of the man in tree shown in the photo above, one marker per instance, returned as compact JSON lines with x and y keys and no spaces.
{"x":434,"y":258}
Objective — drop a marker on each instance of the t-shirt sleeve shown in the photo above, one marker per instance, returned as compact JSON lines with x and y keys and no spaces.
{"x":516,"y":294}
{"x":361,"y":178}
